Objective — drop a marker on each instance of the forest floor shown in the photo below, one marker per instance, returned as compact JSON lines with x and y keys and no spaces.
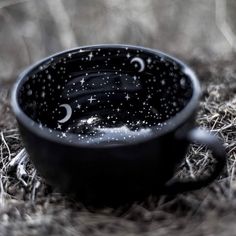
{"x":29,"y":207}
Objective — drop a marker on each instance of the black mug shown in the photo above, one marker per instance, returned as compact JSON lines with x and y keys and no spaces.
{"x":110,"y":123}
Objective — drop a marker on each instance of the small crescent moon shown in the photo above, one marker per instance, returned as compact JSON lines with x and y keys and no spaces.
{"x":68,"y":113}
{"x":140,"y":61}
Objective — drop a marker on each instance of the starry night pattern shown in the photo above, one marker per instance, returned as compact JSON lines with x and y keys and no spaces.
{"x":105,"y":95}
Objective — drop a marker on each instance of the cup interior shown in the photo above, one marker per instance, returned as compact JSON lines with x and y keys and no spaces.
{"x":105,"y":94}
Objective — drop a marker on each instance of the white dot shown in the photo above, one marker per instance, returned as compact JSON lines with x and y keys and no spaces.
{"x":29,"y":92}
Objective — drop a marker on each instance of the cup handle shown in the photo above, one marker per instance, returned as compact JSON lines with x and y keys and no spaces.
{"x":175,"y":186}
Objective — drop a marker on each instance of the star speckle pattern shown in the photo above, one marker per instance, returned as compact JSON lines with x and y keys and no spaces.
{"x":82,"y":81}
{"x":116,"y":95}
{"x":127,"y":97}
{"x":90,"y":56}
{"x":91,"y":99}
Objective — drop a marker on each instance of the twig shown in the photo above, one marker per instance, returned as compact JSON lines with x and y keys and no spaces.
{"x":35,"y":187}
{"x":2,"y":192}
{"x":21,"y":169}
{"x":6,"y":145}
{"x":190,"y":168}
{"x":224,"y":128}
{"x":19,"y":162}
{"x":232,"y":178}
{"x":17,"y":159}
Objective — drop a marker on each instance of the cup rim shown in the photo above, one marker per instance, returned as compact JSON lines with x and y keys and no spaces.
{"x":173,"y":123}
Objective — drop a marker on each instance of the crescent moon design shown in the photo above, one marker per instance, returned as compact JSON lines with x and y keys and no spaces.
{"x":68,"y":113}
{"x":140,"y":61}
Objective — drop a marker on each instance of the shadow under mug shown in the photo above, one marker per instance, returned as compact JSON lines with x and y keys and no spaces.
{"x":110,"y":123}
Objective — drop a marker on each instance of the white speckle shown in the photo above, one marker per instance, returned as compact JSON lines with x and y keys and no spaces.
{"x":91,"y":99}
{"x":90,"y":56}
{"x":82,"y":81}
{"x":43,"y":94}
{"x":29,"y":92}
{"x":163,"y":82}
{"x":149,"y":60}
{"x":92,"y":120}
{"x":183,"y":82}
{"x":127,"y":97}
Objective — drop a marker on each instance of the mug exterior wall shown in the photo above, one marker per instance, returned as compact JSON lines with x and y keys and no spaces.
{"x":110,"y":175}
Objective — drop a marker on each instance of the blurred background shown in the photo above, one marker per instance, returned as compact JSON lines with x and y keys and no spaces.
{"x":200,"y":32}
{"x":189,"y":29}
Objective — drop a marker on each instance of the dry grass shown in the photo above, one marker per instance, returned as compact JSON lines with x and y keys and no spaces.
{"x":29,"y":207}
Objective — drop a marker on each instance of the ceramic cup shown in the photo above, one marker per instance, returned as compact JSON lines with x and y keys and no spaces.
{"x":110,"y":123}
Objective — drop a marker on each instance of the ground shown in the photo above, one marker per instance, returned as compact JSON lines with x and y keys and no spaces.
{"x":29,"y":207}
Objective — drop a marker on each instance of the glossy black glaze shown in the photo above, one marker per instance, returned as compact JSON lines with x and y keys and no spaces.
{"x":110,"y":123}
